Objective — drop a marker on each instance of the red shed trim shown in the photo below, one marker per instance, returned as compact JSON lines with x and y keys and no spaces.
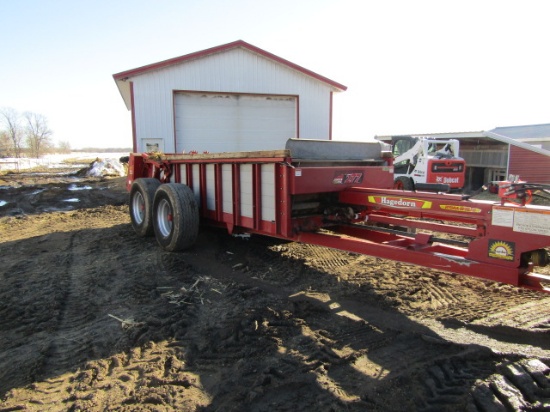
{"x":134,"y":137}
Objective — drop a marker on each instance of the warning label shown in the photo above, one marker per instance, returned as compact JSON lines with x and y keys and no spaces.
{"x":503,"y":216}
{"x":534,"y":222}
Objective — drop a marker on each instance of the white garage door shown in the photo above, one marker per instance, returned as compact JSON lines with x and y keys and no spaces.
{"x":233,"y":123}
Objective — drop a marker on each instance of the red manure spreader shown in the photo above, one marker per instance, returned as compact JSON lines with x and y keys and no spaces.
{"x":340,"y":195}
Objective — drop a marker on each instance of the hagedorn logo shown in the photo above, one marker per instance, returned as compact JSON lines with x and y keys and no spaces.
{"x":400,"y":202}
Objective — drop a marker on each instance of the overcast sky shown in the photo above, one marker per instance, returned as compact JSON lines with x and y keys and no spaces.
{"x":411,"y":66}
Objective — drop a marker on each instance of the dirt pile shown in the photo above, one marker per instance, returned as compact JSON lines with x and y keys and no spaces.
{"x":93,"y":318}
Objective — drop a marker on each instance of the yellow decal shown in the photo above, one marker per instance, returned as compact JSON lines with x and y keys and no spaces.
{"x":499,"y":249}
{"x":400,"y":202}
{"x":456,"y":208}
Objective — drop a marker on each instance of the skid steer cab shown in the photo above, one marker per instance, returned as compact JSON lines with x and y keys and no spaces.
{"x":422,"y":163}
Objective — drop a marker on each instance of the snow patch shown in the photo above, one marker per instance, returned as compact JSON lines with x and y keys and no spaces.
{"x":74,"y":187}
{"x":54,"y":161}
{"x":106,"y":167}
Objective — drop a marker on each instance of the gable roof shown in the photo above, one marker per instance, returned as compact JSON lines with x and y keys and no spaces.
{"x":515,"y":142}
{"x":122,"y":77}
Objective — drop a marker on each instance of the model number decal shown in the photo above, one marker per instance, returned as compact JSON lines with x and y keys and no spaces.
{"x":456,"y":208}
{"x":400,"y":202}
{"x":342,"y":178}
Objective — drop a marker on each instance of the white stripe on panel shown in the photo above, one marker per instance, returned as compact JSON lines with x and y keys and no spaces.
{"x":197,"y":184}
{"x":227,"y":188}
{"x":210,"y":187}
{"x":246,"y":190}
{"x":268,"y":192}
{"x":183,"y":174}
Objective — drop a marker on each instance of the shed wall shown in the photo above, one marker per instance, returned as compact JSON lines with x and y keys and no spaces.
{"x":233,"y":71}
{"x":530,"y":166}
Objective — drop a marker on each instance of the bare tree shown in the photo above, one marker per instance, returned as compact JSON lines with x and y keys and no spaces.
{"x":5,"y":144}
{"x":37,"y":133}
{"x":11,"y":120}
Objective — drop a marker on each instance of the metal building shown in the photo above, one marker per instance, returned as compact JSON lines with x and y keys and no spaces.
{"x":233,"y":97}
{"x":493,"y":155}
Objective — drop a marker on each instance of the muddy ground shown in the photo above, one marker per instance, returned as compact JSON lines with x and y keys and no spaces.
{"x":93,"y":318}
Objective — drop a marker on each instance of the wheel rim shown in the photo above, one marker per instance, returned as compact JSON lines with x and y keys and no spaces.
{"x":398,"y":185}
{"x":164,"y":218}
{"x":138,"y":208}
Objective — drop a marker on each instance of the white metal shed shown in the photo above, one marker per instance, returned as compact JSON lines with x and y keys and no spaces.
{"x":233,"y":97}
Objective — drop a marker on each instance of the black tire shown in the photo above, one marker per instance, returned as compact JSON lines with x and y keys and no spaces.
{"x":403,"y":183}
{"x":142,"y":194}
{"x":175,"y":217}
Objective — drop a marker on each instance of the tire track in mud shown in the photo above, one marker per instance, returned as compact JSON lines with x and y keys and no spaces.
{"x":488,"y":304}
{"x":410,"y":289}
{"x":424,"y":293}
{"x":431,"y":297}
{"x":533,"y":315}
{"x":70,"y":341}
{"x":342,"y":356}
{"x":92,"y":279}
{"x":393,"y":356}
{"x":518,"y":385}
{"x":25,"y":315}
{"x":436,"y":295}
{"x":322,"y":257}
{"x":35,"y":314}
{"x":458,"y":383}
{"x":143,"y":374}
{"x":523,"y":324}
{"x":446,"y":384}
